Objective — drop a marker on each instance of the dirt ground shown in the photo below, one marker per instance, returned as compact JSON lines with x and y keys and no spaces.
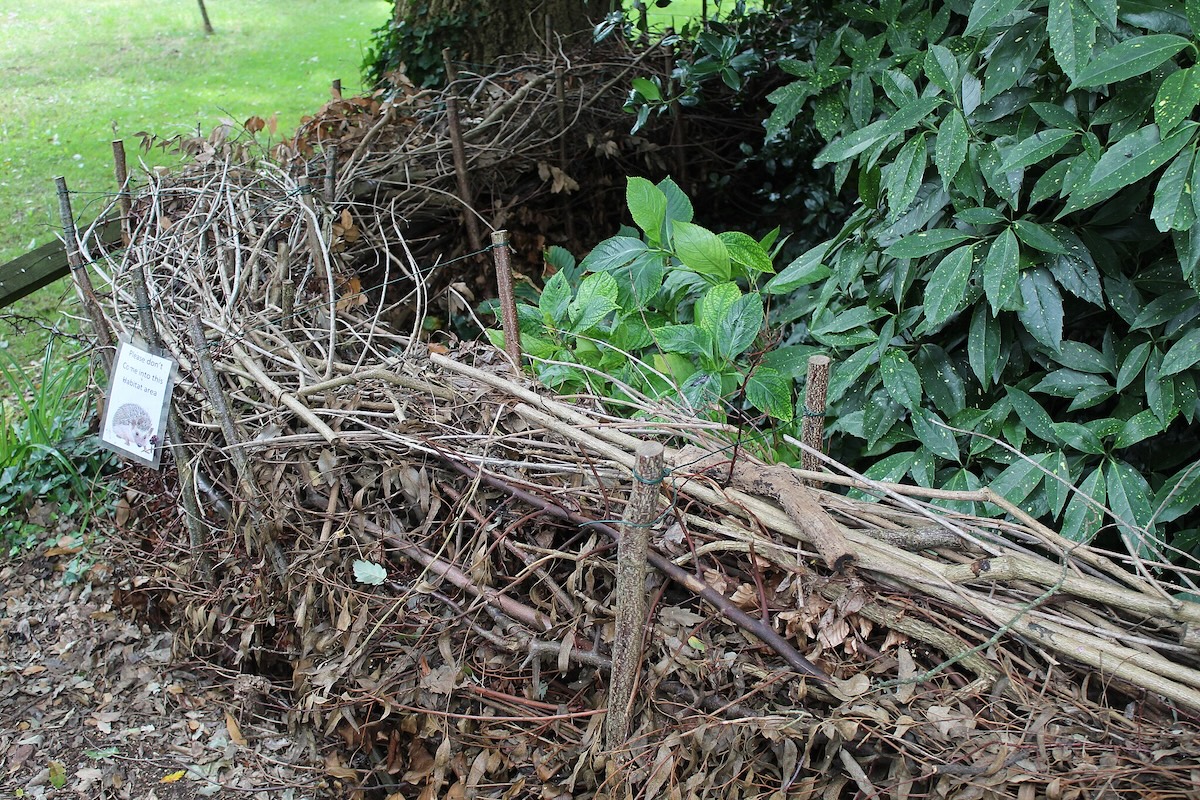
{"x":90,"y":708}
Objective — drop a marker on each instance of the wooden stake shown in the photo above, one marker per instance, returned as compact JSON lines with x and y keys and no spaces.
{"x":451,"y":72}
{"x":83,"y":281}
{"x":813,"y":426}
{"x":180,"y":452}
{"x":631,"y":624}
{"x":508,"y":298}
{"x":460,"y":171}
{"x":335,"y":89}
{"x":123,"y":201}
{"x":331,"y":167}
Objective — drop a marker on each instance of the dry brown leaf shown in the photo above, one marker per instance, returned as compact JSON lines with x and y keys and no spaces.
{"x":234,"y":730}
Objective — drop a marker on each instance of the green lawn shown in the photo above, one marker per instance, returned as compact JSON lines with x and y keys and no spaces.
{"x":79,"y":74}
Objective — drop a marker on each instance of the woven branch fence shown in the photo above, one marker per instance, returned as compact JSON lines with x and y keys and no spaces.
{"x":799,"y":641}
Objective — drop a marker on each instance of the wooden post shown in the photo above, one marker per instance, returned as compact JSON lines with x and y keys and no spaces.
{"x":331,"y":167}
{"x":460,"y":171}
{"x":83,"y":281}
{"x":123,"y":200}
{"x":632,"y":549}
{"x":451,"y":72}
{"x":193,"y":519}
{"x":507,"y":297}
{"x":335,"y":88}
{"x":813,"y":426}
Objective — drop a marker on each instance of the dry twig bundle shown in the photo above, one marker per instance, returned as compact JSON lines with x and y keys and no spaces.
{"x":950,"y":654}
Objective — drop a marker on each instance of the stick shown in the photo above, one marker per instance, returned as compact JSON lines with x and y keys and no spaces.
{"x":460,"y":171}
{"x":813,"y":427}
{"x":331,"y":169}
{"x":631,"y":591}
{"x":83,"y":282}
{"x":124,"y":203}
{"x":508,"y":299}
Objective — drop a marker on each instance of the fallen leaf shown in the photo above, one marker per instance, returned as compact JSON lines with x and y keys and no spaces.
{"x":174,"y":776}
{"x":58,"y":774}
{"x":235,"y":732}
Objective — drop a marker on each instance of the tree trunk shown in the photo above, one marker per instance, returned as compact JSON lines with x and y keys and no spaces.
{"x":507,"y":27}
{"x":208,"y":28}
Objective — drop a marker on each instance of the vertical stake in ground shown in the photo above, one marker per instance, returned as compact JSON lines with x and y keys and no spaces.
{"x":123,"y":201}
{"x":331,"y":168}
{"x":813,"y":427}
{"x":197,"y":536}
{"x":632,"y":550}
{"x":507,"y":297}
{"x":79,"y":273}
{"x":460,"y":172}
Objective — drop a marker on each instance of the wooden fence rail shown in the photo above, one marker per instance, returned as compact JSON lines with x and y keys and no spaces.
{"x":41,"y":266}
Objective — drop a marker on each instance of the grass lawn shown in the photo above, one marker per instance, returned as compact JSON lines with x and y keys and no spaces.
{"x":82,"y":73}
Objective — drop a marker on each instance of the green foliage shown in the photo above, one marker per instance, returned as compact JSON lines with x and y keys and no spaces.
{"x":1024,"y":263}
{"x":667,"y":311}
{"x":415,"y":45}
{"x":47,"y":454}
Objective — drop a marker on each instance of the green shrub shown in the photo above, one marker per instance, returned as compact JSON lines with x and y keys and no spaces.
{"x":47,"y":452}
{"x":1023,"y":265}
{"x":658,"y":312}
{"x":415,"y":44}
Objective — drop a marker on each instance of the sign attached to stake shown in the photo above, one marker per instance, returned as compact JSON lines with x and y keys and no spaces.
{"x":139,"y":397}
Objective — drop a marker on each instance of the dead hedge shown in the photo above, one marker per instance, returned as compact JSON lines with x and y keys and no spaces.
{"x":319,"y":425}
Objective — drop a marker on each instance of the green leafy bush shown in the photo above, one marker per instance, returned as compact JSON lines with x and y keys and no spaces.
{"x":658,"y":312}
{"x":1022,"y":269}
{"x":415,"y":44}
{"x":47,"y":452}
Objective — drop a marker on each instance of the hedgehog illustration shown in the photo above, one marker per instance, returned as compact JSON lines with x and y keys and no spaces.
{"x":132,"y":425}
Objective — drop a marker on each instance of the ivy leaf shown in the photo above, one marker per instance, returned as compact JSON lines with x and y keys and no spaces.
{"x":1129,"y":58}
{"x":1177,"y":98}
{"x":1035,"y":148}
{"x":770,"y":392}
{"x":947,"y":287}
{"x":1184,"y":354}
{"x":701,"y":250}
{"x":950,"y":147}
{"x":1072,"y":34}
{"x":1042,"y":315}
{"x":1085,"y":511}
{"x":1000,"y":270}
{"x":1174,"y":207}
{"x":900,"y":379}
{"x":648,"y":206}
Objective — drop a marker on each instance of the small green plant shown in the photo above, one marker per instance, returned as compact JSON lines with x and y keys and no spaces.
{"x":414,"y":44}
{"x":47,"y":454}
{"x":670,"y":310}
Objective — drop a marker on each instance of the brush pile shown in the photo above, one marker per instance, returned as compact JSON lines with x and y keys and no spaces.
{"x":405,"y":545}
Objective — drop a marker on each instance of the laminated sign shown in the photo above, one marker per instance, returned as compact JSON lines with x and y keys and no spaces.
{"x":139,"y":396}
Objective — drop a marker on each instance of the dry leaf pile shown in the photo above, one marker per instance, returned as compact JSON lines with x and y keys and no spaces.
{"x":410,"y":545}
